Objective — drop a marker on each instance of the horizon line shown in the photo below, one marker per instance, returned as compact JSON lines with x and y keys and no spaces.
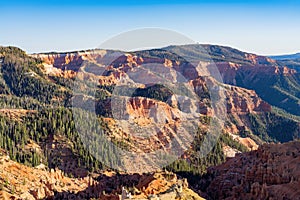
{"x":147,"y":48}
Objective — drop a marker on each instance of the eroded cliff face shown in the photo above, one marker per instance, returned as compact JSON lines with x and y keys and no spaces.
{"x":149,"y":124}
{"x":120,"y":62}
{"x":238,"y":100}
{"x":271,"y":172}
{"x":235,"y":74}
{"x":109,"y":69}
{"x":70,"y":61}
{"x":259,"y":60}
{"x":22,"y":182}
{"x":159,"y":117}
{"x":241,"y":101}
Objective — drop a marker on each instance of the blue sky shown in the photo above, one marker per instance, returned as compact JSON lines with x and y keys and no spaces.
{"x":263,"y":27}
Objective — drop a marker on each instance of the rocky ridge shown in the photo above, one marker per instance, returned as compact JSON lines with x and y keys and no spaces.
{"x":240,"y":100}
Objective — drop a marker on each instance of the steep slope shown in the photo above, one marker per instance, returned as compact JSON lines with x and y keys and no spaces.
{"x":22,"y":182}
{"x":274,"y":83}
{"x":292,"y":62}
{"x":278,"y":86}
{"x":38,"y":122}
{"x":34,"y":110}
{"x":245,"y":108}
{"x":251,"y":121}
{"x":271,"y":172}
{"x":22,"y":75}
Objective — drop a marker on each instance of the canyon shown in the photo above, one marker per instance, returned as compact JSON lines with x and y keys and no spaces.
{"x":160,"y":100}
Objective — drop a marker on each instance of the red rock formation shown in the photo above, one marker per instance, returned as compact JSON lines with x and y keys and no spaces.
{"x":239,"y":101}
{"x":70,"y":61}
{"x":22,"y":182}
{"x":242,"y":101}
{"x":229,"y":71}
{"x":63,"y":61}
{"x":261,"y":60}
{"x":271,"y":172}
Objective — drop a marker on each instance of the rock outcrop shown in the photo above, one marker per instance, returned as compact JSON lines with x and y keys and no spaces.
{"x":233,"y":73}
{"x":241,"y":101}
{"x":111,"y":68}
{"x":271,"y":172}
{"x":22,"y":182}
